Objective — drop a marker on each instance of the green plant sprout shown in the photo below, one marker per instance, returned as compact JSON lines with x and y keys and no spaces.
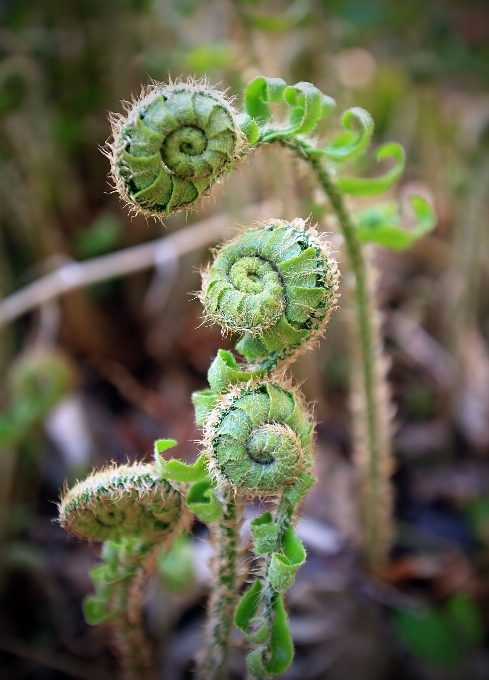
{"x":135,"y":512}
{"x":275,"y":286}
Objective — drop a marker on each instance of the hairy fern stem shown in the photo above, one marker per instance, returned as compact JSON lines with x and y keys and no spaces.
{"x":131,"y":643}
{"x":374,"y":408}
{"x":224,"y":598}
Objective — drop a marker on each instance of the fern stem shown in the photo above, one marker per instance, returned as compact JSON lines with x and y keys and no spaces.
{"x":225,"y":591}
{"x":131,"y":643}
{"x":283,"y":516}
{"x":375,"y":411}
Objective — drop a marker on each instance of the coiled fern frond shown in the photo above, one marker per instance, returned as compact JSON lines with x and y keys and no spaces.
{"x":259,"y":439}
{"x":276,"y":282}
{"x":135,"y":512}
{"x":175,"y":141}
{"x":122,"y":501}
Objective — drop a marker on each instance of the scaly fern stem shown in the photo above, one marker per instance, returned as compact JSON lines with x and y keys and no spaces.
{"x":225,"y":595}
{"x":377,"y":533}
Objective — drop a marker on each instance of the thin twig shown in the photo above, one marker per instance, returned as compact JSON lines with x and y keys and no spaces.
{"x":155,"y":253}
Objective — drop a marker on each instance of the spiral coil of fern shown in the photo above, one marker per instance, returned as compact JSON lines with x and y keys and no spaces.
{"x":259,"y":439}
{"x":276,"y":283}
{"x":134,"y":511}
{"x":175,"y":142}
{"x":120,"y":502}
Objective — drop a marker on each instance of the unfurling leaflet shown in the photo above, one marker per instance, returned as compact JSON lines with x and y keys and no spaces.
{"x":175,"y":141}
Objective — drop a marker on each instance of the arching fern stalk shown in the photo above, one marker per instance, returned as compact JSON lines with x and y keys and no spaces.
{"x":381,"y":225}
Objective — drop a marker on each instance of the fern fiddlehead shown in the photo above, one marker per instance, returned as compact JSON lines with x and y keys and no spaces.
{"x":258,"y":439}
{"x":276,"y":284}
{"x":307,"y":106}
{"x":135,"y":512}
{"x":175,"y":142}
{"x":122,"y":501}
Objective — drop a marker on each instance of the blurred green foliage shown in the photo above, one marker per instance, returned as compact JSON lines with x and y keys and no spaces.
{"x":101,"y":238}
{"x":176,"y":566}
{"x":38,"y":381}
{"x":205,"y":58}
{"x":444,"y":635}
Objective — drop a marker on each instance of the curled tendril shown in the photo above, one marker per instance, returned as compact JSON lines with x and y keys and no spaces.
{"x":371,"y":186}
{"x":121,"y":502}
{"x":173,"y":144}
{"x":277,"y":283}
{"x":382,"y":223}
{"x":258,"y":439}
{"x":308,"y":106}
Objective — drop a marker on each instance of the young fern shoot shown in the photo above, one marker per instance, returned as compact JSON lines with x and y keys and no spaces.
{"x":381,"y":225}
{"x":174,"y":143}
{"x":275,"y":285}
{"x":134,"y":512}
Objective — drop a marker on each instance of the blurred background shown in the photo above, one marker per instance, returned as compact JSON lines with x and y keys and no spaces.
{"x":126,"y":353}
